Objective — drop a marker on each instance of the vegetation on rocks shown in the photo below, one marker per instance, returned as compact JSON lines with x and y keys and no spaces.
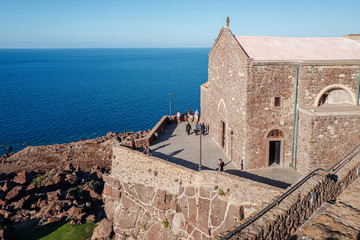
{"x":59,"y":231}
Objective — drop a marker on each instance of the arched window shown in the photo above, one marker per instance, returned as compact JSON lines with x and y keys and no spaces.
{"x":275,"y":133}
{"x":335,"y":94}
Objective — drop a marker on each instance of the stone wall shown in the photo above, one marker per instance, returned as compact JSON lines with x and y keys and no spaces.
{"x":324,"y":138}
{"x":282,"y":220}
{"x":241,"y":93}
{"x":141,"y":192}
{"x":224,"y":97}
{"x":266,"y":82}
{"x":149,"y":139}
{"x":315,"y":78}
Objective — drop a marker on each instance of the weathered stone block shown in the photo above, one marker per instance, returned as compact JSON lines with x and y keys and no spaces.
{"x":218,"y":210}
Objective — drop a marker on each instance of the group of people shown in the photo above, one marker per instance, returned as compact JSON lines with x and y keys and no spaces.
{"x":188,"y":116}
{"x":199,"y":128}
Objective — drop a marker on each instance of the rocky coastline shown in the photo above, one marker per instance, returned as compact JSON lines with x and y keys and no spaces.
{"x":62,"y":182}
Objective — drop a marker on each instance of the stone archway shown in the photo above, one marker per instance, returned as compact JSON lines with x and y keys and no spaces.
{"x":274,"y":142}
{"x":335,"y":94}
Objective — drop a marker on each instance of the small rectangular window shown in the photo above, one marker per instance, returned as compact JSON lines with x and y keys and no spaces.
{"x":277,"y":102}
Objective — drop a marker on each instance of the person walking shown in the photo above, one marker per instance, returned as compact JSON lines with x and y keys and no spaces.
{"x":202,"y":128}
{"x":147,"y":151}
{"x":188,"y":128}
{"x":221,"y":165}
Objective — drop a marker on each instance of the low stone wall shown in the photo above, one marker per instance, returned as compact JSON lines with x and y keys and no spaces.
{"x":325,"y":137}
{"x":282,"y":221}
{"x":142,"y":192}
{"x":149,"y":139}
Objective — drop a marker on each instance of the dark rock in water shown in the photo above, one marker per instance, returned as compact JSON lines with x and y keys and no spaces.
{"x":9,"y":149}
{"x":24,"y":144}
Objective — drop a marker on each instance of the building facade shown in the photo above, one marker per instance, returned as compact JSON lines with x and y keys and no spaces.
{"x":283,"y":101}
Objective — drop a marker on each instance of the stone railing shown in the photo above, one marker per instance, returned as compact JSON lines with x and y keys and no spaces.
{"x":149,"y":139}
{"x":280,"y":219}
{"x":144,"y":190}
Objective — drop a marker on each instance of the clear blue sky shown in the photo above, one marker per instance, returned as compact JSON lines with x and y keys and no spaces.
{"x":180,"y":23}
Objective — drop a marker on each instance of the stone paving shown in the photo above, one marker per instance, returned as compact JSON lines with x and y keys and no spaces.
{"x":176,"y":146}
{"x":339,"y":220}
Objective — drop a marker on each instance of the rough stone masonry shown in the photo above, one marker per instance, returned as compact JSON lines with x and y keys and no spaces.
{"x":256,"y":87}
{"x":150,"y":198}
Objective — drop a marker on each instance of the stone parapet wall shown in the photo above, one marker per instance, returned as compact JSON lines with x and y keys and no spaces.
{"x":324,"y":138}
{"x":282,"y":220}
{"x":145,"y":190}
{"x":136,"y":167}
{"x":149,"y":139}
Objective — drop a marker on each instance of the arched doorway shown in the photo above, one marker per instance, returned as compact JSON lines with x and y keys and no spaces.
{"x":335,"y":94}
{"x":274,"y":147}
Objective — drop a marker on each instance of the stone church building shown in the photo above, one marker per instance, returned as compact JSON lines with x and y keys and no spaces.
{"x":282,"y":100}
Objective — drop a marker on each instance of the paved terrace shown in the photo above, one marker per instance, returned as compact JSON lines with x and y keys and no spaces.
{"x":176,"y":146}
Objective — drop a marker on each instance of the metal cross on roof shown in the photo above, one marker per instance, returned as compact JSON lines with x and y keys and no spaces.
{"x":227,"y":21}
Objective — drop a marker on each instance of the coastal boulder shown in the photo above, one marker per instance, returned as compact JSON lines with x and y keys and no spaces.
{"x":21,"y":177}
{"x":14,"y":193}
{"x":103,"y":230}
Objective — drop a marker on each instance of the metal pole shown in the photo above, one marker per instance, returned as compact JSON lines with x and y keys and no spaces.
{"x":170,"y":104}
{"x":200,"y":150}
{"x":358,"y":90}
{"x":295,"y":103}
{"x":232,"y":134}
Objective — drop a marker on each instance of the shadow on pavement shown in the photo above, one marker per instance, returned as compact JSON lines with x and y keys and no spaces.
{"x":159,"y":147}
{"x":265,"y":180}
{"x":166,"y":134}
{"x":179,"y":161}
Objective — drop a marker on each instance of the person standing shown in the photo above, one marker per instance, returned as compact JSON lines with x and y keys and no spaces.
{"x":188,"y":128}
{"x":178,"y":115}
{"x":185,"y":116}
{"x":196,"y":115}
{"x":221,"y":165}
{"x":197,"y":128}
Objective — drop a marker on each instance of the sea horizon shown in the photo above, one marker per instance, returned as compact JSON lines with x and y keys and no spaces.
{"x":61,"y":95}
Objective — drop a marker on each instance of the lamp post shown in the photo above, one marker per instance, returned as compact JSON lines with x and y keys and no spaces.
{"x":170,"y":104}
{"x":231,"y":145}
{"x":200,"y":150}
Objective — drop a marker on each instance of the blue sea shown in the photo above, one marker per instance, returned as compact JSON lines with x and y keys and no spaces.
{"x":50,"y":96}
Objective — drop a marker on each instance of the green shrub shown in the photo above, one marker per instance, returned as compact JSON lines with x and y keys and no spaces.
{"x":220,"y":192}
{"x":176,"y":180}
{"x":165,"y":224}
{"x":97,"y":186}
{"x":124,"y":235}
{"x":42,"y":179}
{"x":143,"y":227}
{"x":155,"y":173}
